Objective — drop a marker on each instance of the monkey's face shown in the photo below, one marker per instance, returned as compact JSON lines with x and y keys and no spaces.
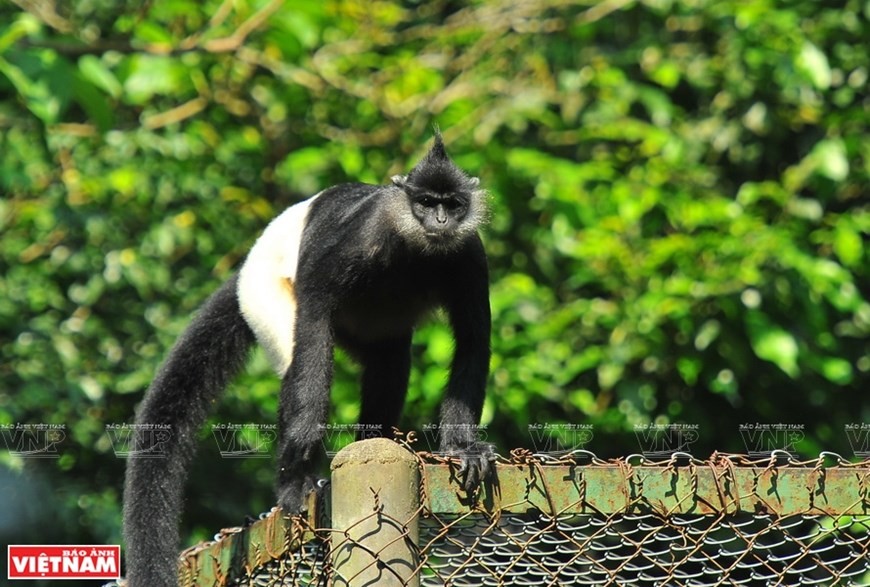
{"x":440,"y":215}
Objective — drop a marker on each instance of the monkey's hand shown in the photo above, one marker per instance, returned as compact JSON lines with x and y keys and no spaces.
{"x":476,"y":463}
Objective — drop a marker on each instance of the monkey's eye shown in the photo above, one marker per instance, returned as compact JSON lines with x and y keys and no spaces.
{"x":429,"y":202}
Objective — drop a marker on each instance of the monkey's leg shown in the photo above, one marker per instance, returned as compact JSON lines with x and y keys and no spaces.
{"x":304,"y":407}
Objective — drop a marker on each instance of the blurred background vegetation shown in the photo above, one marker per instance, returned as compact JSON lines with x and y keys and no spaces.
{"x":679,"y":194}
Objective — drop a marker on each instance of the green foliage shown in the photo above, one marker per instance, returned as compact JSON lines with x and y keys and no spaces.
{"x":679,"y":209}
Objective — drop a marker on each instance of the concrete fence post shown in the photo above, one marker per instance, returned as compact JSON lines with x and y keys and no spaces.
{"x":375,"y":508}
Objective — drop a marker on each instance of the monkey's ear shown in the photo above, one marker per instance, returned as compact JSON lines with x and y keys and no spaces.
{"x":473,"y":182}
{"x":399,"y":180}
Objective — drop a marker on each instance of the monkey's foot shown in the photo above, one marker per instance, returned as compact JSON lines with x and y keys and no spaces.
{"x":292,"y":495}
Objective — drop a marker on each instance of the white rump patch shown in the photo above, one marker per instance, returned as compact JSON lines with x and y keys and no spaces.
{"x":267,"y":284}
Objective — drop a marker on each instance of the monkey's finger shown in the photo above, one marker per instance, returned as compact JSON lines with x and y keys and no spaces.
{"x":481,"y":465}
{"x":466,"y":471}
{"x":472,"y":480}
{"x":476,"y":466}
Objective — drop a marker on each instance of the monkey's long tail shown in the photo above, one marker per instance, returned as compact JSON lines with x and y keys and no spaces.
{"x":208,"y":355}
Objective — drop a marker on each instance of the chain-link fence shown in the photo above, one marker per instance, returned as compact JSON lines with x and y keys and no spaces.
{"x":573,"y":520}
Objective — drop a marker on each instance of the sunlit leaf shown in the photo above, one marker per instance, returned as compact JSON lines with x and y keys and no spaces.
{"x":153,"y":32}
{"x":848,"y":245}
{"x":837,"y":370}
{"x":150,"y":75}
{"x":831,"y":160}
{"x":772,"y":343}
{"x":23,"y":25}
{"x":93,"y":69}
{"x":814,"y":64}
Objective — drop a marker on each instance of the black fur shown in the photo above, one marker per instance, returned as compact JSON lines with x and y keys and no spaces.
{"x":208,"y":355}
{"x":373,"y":261}
{"x":436,"y":172}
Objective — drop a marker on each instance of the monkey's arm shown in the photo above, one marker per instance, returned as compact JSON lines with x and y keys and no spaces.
{"x":467,"y":304}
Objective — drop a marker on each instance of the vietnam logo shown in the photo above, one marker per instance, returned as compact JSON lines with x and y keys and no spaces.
{"x":87,"y":561}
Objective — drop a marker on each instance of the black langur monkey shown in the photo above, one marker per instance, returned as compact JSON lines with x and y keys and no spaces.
{"x":356,"y":265}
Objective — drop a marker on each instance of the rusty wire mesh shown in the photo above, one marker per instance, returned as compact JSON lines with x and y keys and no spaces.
{"x":307,"y":566}
{"x":744,"y":549}
{"x":785,"y":540}
{"x":792,"y":523}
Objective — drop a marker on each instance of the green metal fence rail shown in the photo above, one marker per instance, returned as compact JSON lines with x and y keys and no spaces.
{"x":395,"y":518}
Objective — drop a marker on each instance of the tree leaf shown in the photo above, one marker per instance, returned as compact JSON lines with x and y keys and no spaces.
{"x":93,"y":102}
{"x":831,"y":160}
{"x":772,"y":343}
{"x":43,"y":80}
{"x":848,"y":245}
{"x":813,"y":63}
{"x":837,"y":370}
{"x":93,"y":70}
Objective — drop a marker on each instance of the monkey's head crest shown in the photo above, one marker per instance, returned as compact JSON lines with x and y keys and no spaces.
{"x":438,"y":173}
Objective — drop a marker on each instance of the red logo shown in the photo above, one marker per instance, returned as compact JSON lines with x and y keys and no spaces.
{"x":85,"y":561}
